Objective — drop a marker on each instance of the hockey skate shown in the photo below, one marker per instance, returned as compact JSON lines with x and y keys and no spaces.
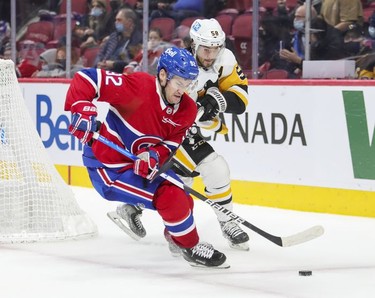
{"x":236,"y":237}
{"x":175,"y":250}
{"x":204,"y":255}
{"x":127,"y":217}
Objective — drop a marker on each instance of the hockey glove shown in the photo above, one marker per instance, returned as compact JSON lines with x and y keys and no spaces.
{"x":83,"y":121}
{"x":213,"y":103}
{"x":147,"y":163}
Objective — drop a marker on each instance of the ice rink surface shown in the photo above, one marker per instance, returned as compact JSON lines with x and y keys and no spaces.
{"x":114,"y":265}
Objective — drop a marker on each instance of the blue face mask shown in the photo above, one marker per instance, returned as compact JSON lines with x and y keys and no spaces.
{"x":299,"y":25}
{"x":371,"y":31}
{"x":96,"y":12}
{"x":119,"y":27}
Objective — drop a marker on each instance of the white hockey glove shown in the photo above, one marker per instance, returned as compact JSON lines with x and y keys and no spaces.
{"x":213,"y":103}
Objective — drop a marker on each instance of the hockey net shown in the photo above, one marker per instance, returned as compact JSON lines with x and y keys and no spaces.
{"x":35,"y":202}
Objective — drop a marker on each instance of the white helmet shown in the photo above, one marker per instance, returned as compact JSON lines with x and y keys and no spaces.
{"x":207,"y":32}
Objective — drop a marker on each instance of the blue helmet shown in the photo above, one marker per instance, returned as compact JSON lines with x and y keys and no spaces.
{"x":178,"y":62}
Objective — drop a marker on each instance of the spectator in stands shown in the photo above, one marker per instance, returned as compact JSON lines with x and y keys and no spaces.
{"x":123,"y":44}
{"x":4,"y":35}
{"x":355,"y":42}
{"x":326,"y":44}
{"x":79,"y":37}
{"x":179,"y":10}
{"x":156,"y":47}
{"x":28,"y":56}
{"x":53,"y":63}
{"x":342,"y":13}
{"x":370,"y":42}
{"x":365,"y":67}
{"x":274,"y":33}
{"x":7,"y":54}
{"x":278,"y":49}
{"x":99,"y":22}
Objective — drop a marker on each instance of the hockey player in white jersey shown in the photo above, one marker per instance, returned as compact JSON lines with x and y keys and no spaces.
{"x":221,"y":87}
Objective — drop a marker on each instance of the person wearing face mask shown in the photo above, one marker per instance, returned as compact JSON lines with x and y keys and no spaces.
{"x":53,"y":63}
{"x":156,"y":46}
{"x":296,"y":53}
{"x":98,"y":21}
{"x":123,"y":44}
{"x":370,"y":36}
{"x":326,"y":41}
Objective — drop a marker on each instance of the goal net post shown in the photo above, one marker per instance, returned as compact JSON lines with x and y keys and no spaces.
{"x":35,"y":202}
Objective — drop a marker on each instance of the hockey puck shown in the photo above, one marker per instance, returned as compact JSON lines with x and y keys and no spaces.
{"x":305,"y":273}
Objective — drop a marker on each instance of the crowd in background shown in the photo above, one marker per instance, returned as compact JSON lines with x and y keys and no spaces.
{"x":108,"y":34}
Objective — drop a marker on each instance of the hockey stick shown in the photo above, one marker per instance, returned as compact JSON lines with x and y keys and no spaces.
{"x":291,"y":240}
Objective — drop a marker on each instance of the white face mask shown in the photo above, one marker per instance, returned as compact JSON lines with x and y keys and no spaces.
{"x":371,"y":31}
{"x":96,"y":11}
{"x":299,"y":24}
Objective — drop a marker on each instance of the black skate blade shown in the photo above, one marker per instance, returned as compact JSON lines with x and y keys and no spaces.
{"x":118,"y":221}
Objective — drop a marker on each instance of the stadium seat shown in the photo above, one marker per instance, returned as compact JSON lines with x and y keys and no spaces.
{"x":291,"y":3}
{"x":190,"y":20}
{"x":242,"y":38}
{"x":240,"y":5}
{"x":41,"y":31}
{"x":230,"y":11}
{"x":78,"y":6}
{"x":166,"y":26}
{"x":89,"y":56}
{"x":268,"y":4}
{"x":367,"y":13}
{"x":60,"y":28}
{"x":276,"y":74}
{"x":130,"y":3}
{"x":226,"y":22}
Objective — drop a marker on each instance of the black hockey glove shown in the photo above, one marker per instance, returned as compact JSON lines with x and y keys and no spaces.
{"x":213,"y":103}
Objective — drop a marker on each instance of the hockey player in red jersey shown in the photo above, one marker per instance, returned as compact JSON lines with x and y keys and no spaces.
{"x":148,"y":116}
{"x":221,"y":86}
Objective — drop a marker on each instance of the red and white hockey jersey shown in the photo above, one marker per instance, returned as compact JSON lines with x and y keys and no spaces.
{"x":137,"y":117}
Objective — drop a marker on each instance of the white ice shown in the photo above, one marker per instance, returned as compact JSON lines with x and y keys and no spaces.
{"x":114,"y":265}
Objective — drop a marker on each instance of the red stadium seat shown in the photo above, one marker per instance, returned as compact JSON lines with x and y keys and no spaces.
{"x":230,"y":11}
{"x":89,"y":56}
{"x":41,"y":31}
{"x":367,"y":13}
{"x":60,"y":28}
{"x":276,"y":74}
{"x":190,"y":20}
{"x":78,"y":6}
{"x":240,"y":5}
{"x":130,"y":3}
{"x":166,"y":26}
{"x":291,"y":3}
{"x":226,"y":22}
{"x":268,"y":4}
{"x":242,"y":36}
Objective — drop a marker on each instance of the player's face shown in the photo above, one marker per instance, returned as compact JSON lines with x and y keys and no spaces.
{"x":207,"y":55}
{"x":175,"y":88}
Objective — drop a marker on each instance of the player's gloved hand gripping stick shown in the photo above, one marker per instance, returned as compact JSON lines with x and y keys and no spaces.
{"x":291,"y":240}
